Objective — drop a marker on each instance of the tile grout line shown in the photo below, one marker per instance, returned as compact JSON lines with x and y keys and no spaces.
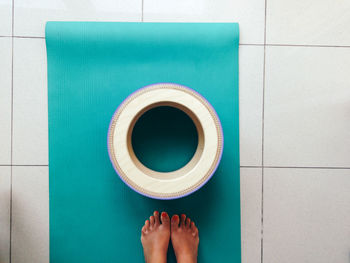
{"x":305,"y":45}
{"x":251,"y":44}
{"x":241,"y":44}
{"x":262,"y":143}
{"x":296,"y":167}
{"x":34,"y":37}
{"x":26,"y":165}
{"x":306,"y":167}
{"x":11,"y":172}
{"x":142,"y":11}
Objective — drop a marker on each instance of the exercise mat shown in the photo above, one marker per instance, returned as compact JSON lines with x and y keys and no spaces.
{"x":92,"y":68}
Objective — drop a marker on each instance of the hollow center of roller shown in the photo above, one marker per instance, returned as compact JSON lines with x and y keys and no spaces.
{"x":164,"y":139}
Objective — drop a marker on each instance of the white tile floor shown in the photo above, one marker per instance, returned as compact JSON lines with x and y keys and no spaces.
{"x":30,"y":120}
{"x":30,"y":220}
{"x":5,"y":100}
{"x":5,"y":196}
{"x":5,"y":17}
{"x":306,"y":215}
{"x":250,"y":14}
{"x":294,"y":120}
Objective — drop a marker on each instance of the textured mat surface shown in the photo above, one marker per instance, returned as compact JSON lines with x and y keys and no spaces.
{"x":92,"y":68}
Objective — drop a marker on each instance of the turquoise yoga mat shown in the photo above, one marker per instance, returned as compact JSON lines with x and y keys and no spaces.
{"x":92,"y":68}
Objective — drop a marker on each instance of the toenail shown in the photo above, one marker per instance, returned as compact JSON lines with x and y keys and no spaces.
{"x":176,"y":217}
{"x":183,"y":215}
{"x":163,"y":214}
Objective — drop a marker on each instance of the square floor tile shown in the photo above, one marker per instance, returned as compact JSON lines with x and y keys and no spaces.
{"x":249,"y":14}
{"x":30,"y":126}
{"x":251,"y":214}
{"x":5,"y":17}
{"x":5,"y":99}
{"x":30,"y":214}
{"x":31,"y":16}
{"x":5,"y":195}
{"x":306,"y":215}
{"x":251,"y":63}
{"x":323,"y":22}
{"x":307,"y":107}
{"x":309,"y":22}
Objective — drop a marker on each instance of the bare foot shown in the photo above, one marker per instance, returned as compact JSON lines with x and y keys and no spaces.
{"x":185,"y":239}
{"x":155,"y":235}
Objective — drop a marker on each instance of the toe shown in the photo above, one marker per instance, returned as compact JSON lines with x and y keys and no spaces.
{"x":188,"y":223}
{"x":147,"y":224}
{"x":143,"y":230}
{"x":194,"y":229}
{"x":183,"y":220}
{"x":156,"y":217}
{"x":193,"y":226}
{"x":151,"y":219}
{"x":195,"y":233}
{"x":165,"y":219}
{"x":175,"y":221}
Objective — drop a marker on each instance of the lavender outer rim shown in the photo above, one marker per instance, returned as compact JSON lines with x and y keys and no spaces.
{"x":172,"y":197}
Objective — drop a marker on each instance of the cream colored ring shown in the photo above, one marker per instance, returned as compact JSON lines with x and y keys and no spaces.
{"x":165,"y":185}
